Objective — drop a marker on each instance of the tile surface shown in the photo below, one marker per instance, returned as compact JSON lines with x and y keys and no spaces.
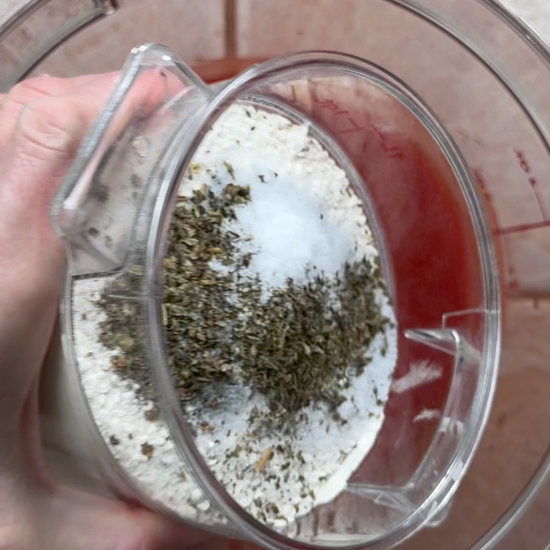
{"x":193,"y":29}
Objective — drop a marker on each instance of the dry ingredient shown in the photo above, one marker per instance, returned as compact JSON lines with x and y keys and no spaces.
{"x":122,"y":413}
{"x":295,"y":344}
{"x":281,"y":341}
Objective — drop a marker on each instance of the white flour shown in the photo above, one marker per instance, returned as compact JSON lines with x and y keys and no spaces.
{"x":119,"y":414}
{"x":303,"y":219}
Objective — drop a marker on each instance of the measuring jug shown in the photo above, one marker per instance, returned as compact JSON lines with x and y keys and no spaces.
{"x":481,"y":125}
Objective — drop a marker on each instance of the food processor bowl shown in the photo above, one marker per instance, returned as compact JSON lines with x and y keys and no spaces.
{"x":482,"y":120}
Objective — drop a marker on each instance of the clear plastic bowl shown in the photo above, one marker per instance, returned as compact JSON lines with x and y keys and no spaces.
{"x":115,"y":208}
{"x":484,"y":74}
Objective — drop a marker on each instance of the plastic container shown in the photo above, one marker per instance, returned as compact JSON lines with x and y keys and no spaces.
{"x":484,"y":76}
{"x":114,"y":210}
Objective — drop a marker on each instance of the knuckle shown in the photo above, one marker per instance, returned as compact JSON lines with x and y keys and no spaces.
{"x":45,"y":131}
{"x":27,"y":91}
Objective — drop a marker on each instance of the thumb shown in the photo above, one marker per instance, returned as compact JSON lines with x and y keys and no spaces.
{"x":33,"y":164}
{"x":31,"y":168}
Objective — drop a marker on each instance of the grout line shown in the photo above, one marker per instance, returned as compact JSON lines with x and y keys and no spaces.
{"x":536,"y":298}
{"x":231,"y":28}
{"x":522,"y":228}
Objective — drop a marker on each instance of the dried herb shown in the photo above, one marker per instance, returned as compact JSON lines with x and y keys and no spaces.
{"x":147,"y":450}
{"x":123,"y":330}
{"x":302,"y":345}
{"x":265,"y":458}
{"x":152,"y":415}
{"x":197,"y":297}
{"x":306,"y":342}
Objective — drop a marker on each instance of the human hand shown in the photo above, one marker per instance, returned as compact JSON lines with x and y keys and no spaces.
{"x":42,"y":122}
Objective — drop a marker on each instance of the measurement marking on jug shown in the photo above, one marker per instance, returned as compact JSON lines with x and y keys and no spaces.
{"x":391,"y":151}
{"x":522,"y":161}
{"x":480,"y":180}
{"x":533,"y":185}
{"x":525,"y":166}
{"x":331,"y":105}
{"x":464,"y":135}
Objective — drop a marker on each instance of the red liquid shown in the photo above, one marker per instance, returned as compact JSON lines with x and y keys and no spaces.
{"x":434,"y":264}
{"x":224,"y":69}
{"x":432,"y":251}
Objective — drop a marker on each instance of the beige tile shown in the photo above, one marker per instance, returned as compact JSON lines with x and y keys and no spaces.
{"x":526,"y":344}
{"x":193,"y":29}
{"x":266,"y":28}
{"x":528,"y":255}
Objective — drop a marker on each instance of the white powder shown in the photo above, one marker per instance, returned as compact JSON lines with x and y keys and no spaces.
{"x":329,"y":452}
{"x":302,"y":213}
{"x":421,"y":372}
{"x":276,"y":252}
{"x":427,"y":414}
{"x":301,"y":220}
{"x":119,"y":414}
